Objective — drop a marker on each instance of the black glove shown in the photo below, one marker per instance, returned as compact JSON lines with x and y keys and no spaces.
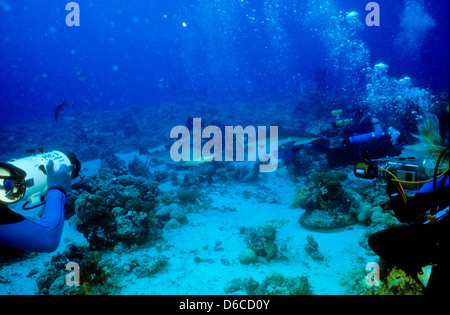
{"x":413,"y":210}
{"x":60,"y":179}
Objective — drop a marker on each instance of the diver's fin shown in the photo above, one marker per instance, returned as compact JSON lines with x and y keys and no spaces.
{"x":424,"y":275}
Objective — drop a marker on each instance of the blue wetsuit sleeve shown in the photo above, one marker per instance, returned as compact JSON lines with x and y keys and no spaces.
{"x":40,"y":236}
{"x":428,"y":187}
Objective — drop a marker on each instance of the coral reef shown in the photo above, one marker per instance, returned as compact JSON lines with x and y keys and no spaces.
{"x":261,"y":242}
{"x":145,"y":266}
{"x":359,"y":202}
{"x":393,"y":281}
{"x":138,"y":168}
{"x":398,"y":282}
{"x":247,"y":256}
{"x":275,"y":284}
{"x":306,"y":162}
{"x":325,"y":192}
{"x":188,"y":196}
{"x":327,"y":203}
{"x":94,"y":275}
{"x":373,"y":210}
{"x":312,"y":248}
{"x":114,"y":206}
{"x":173,"y":215}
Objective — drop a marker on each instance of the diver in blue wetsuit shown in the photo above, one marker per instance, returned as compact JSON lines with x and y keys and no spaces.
{"x":423,"y":243}
{"x":44,"y":235}
{"x":362,"y":137}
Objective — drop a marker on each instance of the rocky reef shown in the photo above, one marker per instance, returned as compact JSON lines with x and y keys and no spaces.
{"x":312,"y":248}
{"x":114,"y":206}
{"x":392,"y":281}
{"x":333,"y":200}
{"x":173,"y":215}
{"x":275,"y":284}
{"x":327,"y":203}
{"x":260,"y":242}
{"x":95,"y":277}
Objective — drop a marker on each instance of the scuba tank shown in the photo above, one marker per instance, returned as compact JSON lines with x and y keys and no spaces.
{"x":369,"y":136}
{"x":366,"y":137}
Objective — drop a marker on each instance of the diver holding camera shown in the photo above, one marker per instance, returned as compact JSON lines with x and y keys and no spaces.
{"x":421,"y":246}
{"x":40,"y":179}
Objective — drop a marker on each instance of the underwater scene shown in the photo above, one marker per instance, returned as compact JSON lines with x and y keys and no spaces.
{"x":212,"y":147}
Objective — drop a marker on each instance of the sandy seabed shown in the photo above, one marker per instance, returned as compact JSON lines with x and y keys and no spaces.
{"x":203,"y":254}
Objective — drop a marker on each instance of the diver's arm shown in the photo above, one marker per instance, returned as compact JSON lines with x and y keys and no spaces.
{"x":44,"y":235}
{"x":40,"y":236}
{"x":53,"y":216}
{"x":416,"y":207}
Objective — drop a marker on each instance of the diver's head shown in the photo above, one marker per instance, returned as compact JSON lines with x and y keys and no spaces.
{"x":356,"y":112}
{"x":12,"y":183}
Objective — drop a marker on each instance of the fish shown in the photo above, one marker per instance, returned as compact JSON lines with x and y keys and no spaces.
{"x":82,"y":76}
{"x":291,"y":145}
{"x":282,"y":141}
{"x":59,"y":109}
{"x":296,"y":140}
{"x":287,"y":145}
{"x":161,"y":153}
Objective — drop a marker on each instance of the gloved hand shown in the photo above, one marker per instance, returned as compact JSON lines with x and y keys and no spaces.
{"x":60,"y":179}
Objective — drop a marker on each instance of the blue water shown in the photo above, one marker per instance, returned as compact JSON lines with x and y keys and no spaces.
{"x":227,"y":50}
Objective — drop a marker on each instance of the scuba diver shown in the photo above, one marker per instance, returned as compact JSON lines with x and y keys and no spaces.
{"x":26,"y":179}
{"x":361,"y":136}
{"x":421,"y":247}
{"x":354,"y":138}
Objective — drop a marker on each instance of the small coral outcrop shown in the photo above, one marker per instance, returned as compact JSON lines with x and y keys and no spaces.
{"x":114,"y":206}
{"x":261,"y":241}
{"x":247,"y":256}
{"x":312,"y":248}
{"x":94,"y":276}
{"x":327,"y":203}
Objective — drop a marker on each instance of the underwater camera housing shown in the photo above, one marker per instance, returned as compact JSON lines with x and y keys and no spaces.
{"x":27,"y":178}
{"x":409,"y":170}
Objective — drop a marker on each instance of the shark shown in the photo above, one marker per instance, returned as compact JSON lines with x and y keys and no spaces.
{"x":290,"y":141}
